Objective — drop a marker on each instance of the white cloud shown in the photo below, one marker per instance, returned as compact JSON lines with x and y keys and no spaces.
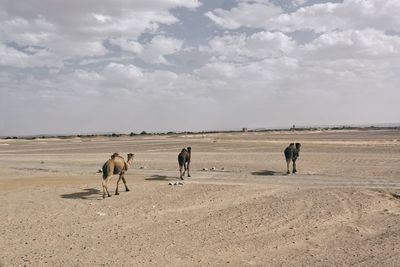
{"x":158,"y":47}
{"x":152,"y":52}
{"x":353,"y":44}
{"x":249,"y":14}
{"x":88,"y":75}
{"x":12,"y":57}
{"x":102,"y":18}
{"x":26,"y":31}
{"x":127,"y":45}
{"x":122,"y":73}
{"x":240,"y":47}
{"x":79,"y":29}
{"x":351,"y":14}
{"x":297,"y":3}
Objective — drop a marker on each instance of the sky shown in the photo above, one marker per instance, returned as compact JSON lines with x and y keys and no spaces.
{"x":94,"y":66}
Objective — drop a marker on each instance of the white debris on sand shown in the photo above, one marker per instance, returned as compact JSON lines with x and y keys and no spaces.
{"x":212,"y":169}
{"x":176,"y":183}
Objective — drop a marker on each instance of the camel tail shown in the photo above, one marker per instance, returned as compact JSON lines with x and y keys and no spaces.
{"x":288,"y":154}
{"x":105,"y":171}
{"x":181,"y":160}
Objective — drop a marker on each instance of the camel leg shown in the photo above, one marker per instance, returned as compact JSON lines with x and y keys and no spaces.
{"x":184,"y":166}
{"x":287,"y":164}
{"x":180,"y":171}
{"x":105,"y":187}
{"x":116,"y":189}
{"x":123,"y":180}
{"x":294,"y":166}
{"x":188,"y":168}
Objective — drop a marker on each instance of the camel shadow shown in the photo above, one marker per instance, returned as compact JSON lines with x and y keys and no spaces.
{"x":395,"y":195}
{"x":267,"y":173}
{"x":157,"y":177}
{"x":88,"y":193}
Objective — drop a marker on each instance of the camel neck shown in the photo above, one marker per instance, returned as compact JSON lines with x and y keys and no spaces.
{"x":129,"y":163}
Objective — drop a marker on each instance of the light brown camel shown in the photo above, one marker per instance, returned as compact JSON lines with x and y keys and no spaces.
{"x":115,"y":165}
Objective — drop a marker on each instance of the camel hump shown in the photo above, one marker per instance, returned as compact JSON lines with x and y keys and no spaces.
{"x":114,"y":155}
{"x":119,"y":161}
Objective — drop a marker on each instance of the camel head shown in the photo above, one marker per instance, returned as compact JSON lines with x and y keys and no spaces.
{"x":298,"y":145}
{"x":189,"y":149}
{"x":130,"y":158}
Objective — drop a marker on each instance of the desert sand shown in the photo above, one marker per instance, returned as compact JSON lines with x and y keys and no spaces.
{"x":341,"y":209}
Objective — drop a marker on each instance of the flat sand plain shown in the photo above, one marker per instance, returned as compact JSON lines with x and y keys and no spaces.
{"x":341,"y":209}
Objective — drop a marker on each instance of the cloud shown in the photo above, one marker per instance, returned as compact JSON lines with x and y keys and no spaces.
{"x":152,"y":52}
{"x":351,"y":14}
{"x":127,"y":45}
{"x":31,"y":57}
{"x":249,"y":14}
{"x":160,"y":46}
{"x":323,"y":17}
{"x":362,"y":44}
{"x":79,"y":29}
{"x":297,"y":3}
{"x":121,"y":77}
{"x":240,"y":47}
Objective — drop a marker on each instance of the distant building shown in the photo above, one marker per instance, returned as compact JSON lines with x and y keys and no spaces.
{"x":245,"y":130}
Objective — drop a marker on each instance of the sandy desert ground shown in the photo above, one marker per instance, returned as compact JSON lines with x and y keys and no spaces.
{"x":341,"y":209}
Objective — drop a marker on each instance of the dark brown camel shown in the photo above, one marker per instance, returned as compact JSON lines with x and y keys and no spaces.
{"x":291,"y":155}
{"x":115,"y":165}
{"x":184,"y":161}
